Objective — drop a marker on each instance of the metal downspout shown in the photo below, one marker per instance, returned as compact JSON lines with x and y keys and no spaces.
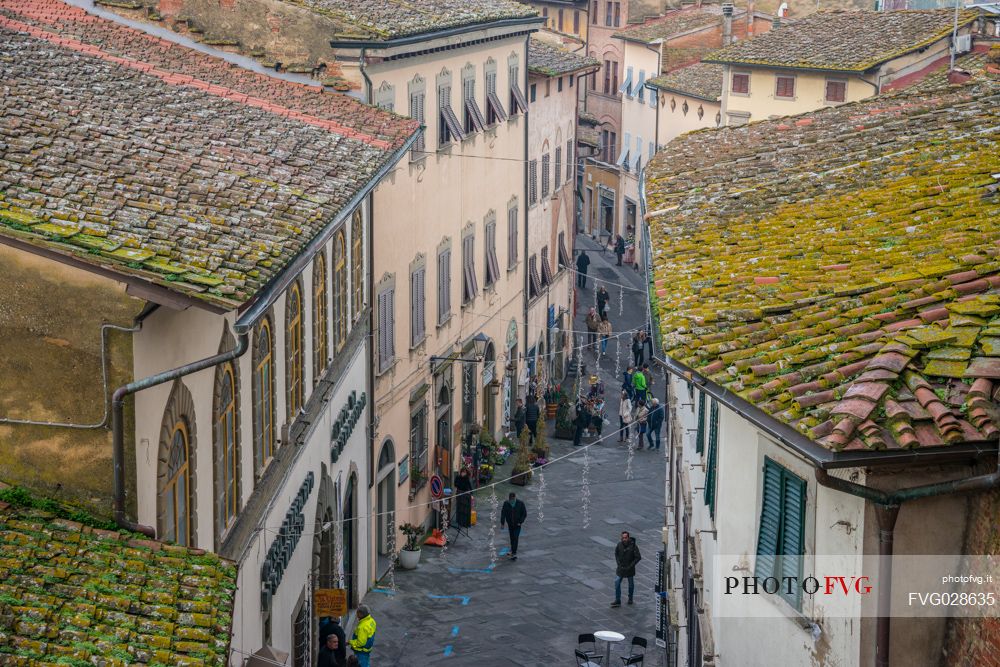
{"x":527,"y":205}
{"x":118,"y":426}
{"x":887,"y":505}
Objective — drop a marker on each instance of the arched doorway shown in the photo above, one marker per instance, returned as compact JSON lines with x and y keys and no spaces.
{"x":349,"y":540}
{"x":385,"y":477}
{"x":442,"y":427}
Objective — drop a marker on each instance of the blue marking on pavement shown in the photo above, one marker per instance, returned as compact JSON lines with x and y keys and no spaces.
{"x":447,"y":650}
{"x":464,"y":598}
{"x":503,"y":552}
{"x":485,"y":570}
{"x":383,"y":591}
{"x":454,"y":631}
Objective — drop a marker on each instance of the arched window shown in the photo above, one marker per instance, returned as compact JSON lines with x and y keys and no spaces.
{"x":177,"y":492}
{"x":339,"y":291}
{"x":176,"y":511}
{"x":321,"y":319}
{"x":263,"y":395}
{"x":227,"y":450}
{"x":357,"y":265}
{"x":293,"y":348}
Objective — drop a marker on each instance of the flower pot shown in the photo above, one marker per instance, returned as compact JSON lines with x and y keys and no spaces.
{"x":521,"y":479}
{"x":408,"y":559}
{"x":550,"y":410}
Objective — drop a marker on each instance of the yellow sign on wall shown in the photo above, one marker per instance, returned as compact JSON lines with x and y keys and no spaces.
{"x":330,"y":602}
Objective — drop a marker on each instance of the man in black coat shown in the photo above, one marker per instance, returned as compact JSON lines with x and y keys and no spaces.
{"x":531,"y":415}
{"x":580,"y":421}
{"x":329,"y":627}
{"x":655,"y":420}
{"x":582,"y":262}
{"x":513,"y":515}
{"x":620,"y":248}
{"x":519,"y":418}
{"x":602,"y":301}
{"x":627,"y":557}
{"x":463,"y":499}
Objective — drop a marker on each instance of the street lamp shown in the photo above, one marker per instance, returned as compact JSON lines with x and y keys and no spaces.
{"x":479,"y":342}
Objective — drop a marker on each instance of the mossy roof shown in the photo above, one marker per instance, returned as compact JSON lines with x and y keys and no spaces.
{"x":841,"y":269}
{"x":382,"y":20}
{"x":675,"y":22}
{"x":75,"y":595}
{"x":165,"y":164}
{"x":547,"y":59}
{"x":701,"y":80}
{"x":844,"y":41}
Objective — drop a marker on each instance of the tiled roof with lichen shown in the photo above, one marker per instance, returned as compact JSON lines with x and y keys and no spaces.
{"x":168,"y":165}
{"x":676,"y":22}
{"x":75,"y":595}
{"x":841,"y":269}
{"x":701,"y":80}
{"x":548,"y":59}
{"x":844,"y":41}
{"x":379,"y":20}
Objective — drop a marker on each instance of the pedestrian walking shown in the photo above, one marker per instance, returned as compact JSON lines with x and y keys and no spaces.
{"x":581,"y":421}
{"x":648,"y":374}
{"x":582,"y":262}
{"x":328,"y":654}
{"x":531,"y":414}
{"x":604,"y":328}
{"x":627,"y":385}
{"x":330,"y":626}
{"x":624,"y":416}
{"x":363,"y":638}
{"x":642,"y":419}
{"x":638,"y":386}
{"x":513,"y":515}
{"x":620,"y":248}
{"x":649,"y":342}
{"x":656,"y":415}
{"x":519,"y":418}
{"x":636,"y":350}
{"x":593,"y":322}
{"x":627,"y":556}
{"x":602,"y":300}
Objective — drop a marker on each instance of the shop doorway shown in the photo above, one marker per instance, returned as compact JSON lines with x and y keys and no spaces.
{"x":386,"y":506}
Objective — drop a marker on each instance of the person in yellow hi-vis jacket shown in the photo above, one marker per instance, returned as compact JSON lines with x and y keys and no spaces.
{"x":364,"y":636}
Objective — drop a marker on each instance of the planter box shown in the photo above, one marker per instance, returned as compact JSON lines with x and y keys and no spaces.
{"x":408,"y":559}
{"x":565,"y":434}
{"x":521,"y":479}
{"x":550,"y":410}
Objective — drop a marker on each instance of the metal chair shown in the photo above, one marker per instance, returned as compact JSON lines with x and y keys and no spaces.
{"x":583,"y":661}
{"x":592,"y":653}
{"x":635,"y":657}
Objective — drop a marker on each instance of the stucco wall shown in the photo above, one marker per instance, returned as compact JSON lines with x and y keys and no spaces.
{"x":761,"y":104}
{"x":50,"y":370}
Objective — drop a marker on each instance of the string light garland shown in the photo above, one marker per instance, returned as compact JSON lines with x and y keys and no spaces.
{"x":585,"y":489}
{"x":541,"y":495}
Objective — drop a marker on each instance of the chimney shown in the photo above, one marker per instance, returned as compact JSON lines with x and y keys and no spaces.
{"x":727,"y":23}
{"x":750,"y":13}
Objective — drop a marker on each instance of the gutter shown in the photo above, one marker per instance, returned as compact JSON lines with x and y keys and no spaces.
{"x":265,"y":299}
{"x":525,"y":286}
{"x":438,"y":34}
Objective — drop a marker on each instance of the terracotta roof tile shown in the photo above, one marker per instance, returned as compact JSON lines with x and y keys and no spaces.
{"x":701,"y":80}
{"x":902,"y":196}
{"x":153,"y":160}
{"x":548,"y":59}
{"x":673,"y":23}
{"x":863,"y":39}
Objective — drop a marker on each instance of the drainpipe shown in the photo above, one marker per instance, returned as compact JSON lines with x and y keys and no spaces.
{"x":887,"y":504}
{"x":118,"y":425}
{"x":527,"y":205}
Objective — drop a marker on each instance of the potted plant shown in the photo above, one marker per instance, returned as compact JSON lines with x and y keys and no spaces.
{"x":565,"y":420}
{"x":521,"y":472}
{"x":553,"y":395}
{"x":541,"y":448}
{"x":409,"y":555}
{"x":417,"y":476}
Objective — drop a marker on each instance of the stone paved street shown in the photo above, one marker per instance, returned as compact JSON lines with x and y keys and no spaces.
{"x":456,"y":609}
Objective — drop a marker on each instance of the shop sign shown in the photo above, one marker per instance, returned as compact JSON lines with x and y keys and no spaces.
{"x":280,"y":553}
{"x":330,"y":602}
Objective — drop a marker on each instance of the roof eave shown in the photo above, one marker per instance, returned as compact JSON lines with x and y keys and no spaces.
{"x":407,"y":40}
{"x":678,"y":91}
{"x":585,"y":69}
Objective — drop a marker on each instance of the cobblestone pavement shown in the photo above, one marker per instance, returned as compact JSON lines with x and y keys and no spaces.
{"x":458,"y":609}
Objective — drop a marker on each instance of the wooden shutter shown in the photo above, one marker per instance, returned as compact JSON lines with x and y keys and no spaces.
{"x":545,"y":175}
{"x":558,"y":175}
{"x":564,"y":259}
{"x":384,"y":330}
{"x":492,"y":264}
{"x":711,"y":461}
{"x":532,"y":181}
{"x":444,"y":285}
{"x":511,"y":237}
{"x":769,"y":532}
{"x":417,"y":321}
{"x":699,"y":440}
{"x":570,"y":165}
{"x":470,"y":288}
{"x":792,"y":531}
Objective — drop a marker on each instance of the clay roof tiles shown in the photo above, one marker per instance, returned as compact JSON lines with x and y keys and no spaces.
{"x":673,"y":23}
{"x":846,"y":41}
{"x":550,"y":60}
{"x":142,"y":156}
{"x":71,"y":594}
{"x":841,"y":269}
{"x":701,"y":80}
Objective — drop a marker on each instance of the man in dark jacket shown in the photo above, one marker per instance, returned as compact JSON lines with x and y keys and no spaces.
{"x":627,"y":557}
{"x":513,"y":515}
{"x":531,"y":415}
{"x":329,"y":627}
{"x":602,"y":300}
{"x":519,"y":418}
{"x":582,"y":262}
{"x":620,"y":248}
{"x":655,"y":420}
{"x":580,"y":421}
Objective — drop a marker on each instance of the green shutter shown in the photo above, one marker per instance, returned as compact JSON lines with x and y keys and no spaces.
{"x":699,"y":441}
{"x":770,"y":520}
{"x":792,"y":531}
{"x":712,"y":458}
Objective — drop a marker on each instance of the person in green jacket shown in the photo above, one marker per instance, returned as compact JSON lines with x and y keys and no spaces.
{"x":639,"y":385}
{"x":364,"y":636}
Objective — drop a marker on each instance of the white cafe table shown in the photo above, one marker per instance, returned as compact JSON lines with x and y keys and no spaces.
{"x":609,"y":637}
